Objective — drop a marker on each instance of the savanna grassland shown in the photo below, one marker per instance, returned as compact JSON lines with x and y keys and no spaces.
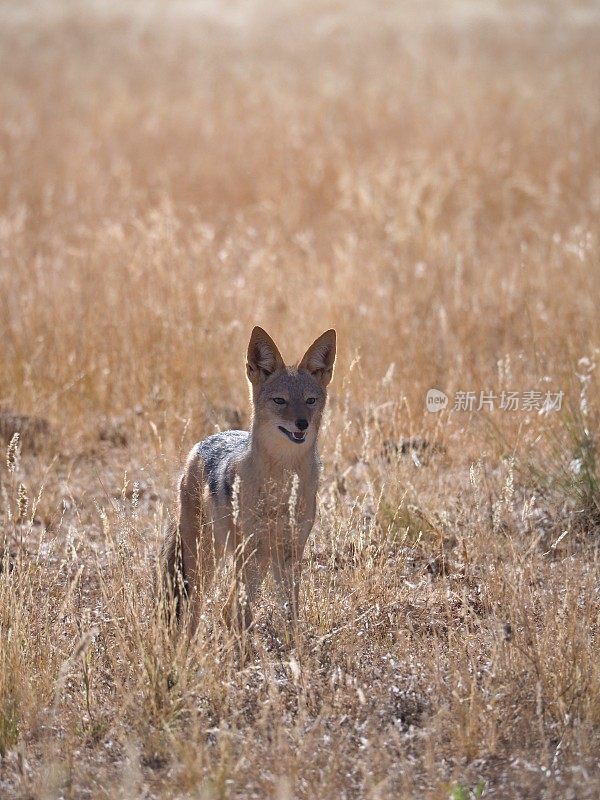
{"x":425,"y":177}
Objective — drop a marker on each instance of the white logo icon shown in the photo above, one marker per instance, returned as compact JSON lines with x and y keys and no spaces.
{"x":436,"y":400}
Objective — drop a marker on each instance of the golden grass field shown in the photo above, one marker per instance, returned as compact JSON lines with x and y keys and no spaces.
{"x":425,"y":177}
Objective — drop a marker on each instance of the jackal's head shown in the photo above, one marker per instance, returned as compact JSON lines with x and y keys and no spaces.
{"x":289,"y":401}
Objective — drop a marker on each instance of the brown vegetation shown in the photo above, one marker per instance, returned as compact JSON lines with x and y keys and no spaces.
{"x":422,"y":176}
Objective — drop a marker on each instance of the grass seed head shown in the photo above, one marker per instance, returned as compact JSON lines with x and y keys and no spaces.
{"x":13,"y":453}
{"x":22,"y":501}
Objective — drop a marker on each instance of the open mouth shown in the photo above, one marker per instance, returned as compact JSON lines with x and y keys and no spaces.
{"x":297,"y":436}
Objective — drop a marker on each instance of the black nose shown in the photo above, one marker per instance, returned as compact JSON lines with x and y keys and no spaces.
{"x":302,"y":424}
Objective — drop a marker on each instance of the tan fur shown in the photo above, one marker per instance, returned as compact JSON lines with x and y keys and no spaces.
{"x":271,"y":531}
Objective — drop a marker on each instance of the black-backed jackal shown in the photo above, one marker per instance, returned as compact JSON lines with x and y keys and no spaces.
{"x":253,"y":494}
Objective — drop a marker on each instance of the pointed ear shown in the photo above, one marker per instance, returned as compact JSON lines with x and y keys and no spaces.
{"x":320,"y":357}
{"x":263,"y":357}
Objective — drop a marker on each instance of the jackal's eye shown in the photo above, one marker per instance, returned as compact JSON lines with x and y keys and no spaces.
{"x":279,"y":400}
{"x":310,"y":401}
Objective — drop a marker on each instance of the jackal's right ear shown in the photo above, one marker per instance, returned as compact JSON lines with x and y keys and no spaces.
{"x":263,"y":357}
{"x":320,"y":358}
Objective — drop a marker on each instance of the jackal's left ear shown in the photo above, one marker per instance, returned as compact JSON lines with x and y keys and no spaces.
{"x":320,"y":357}
{"x":263,"y":357}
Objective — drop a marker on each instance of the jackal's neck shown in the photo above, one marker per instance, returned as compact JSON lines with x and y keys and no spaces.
{"x":274,"y":456}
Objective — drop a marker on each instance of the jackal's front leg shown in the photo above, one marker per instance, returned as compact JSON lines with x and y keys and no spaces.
{"x":286,"y":564}
{"x":287,"y":574}
{"x":250,"y":567}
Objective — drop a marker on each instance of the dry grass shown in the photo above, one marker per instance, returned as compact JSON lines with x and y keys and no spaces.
{"x":423,"y":176}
